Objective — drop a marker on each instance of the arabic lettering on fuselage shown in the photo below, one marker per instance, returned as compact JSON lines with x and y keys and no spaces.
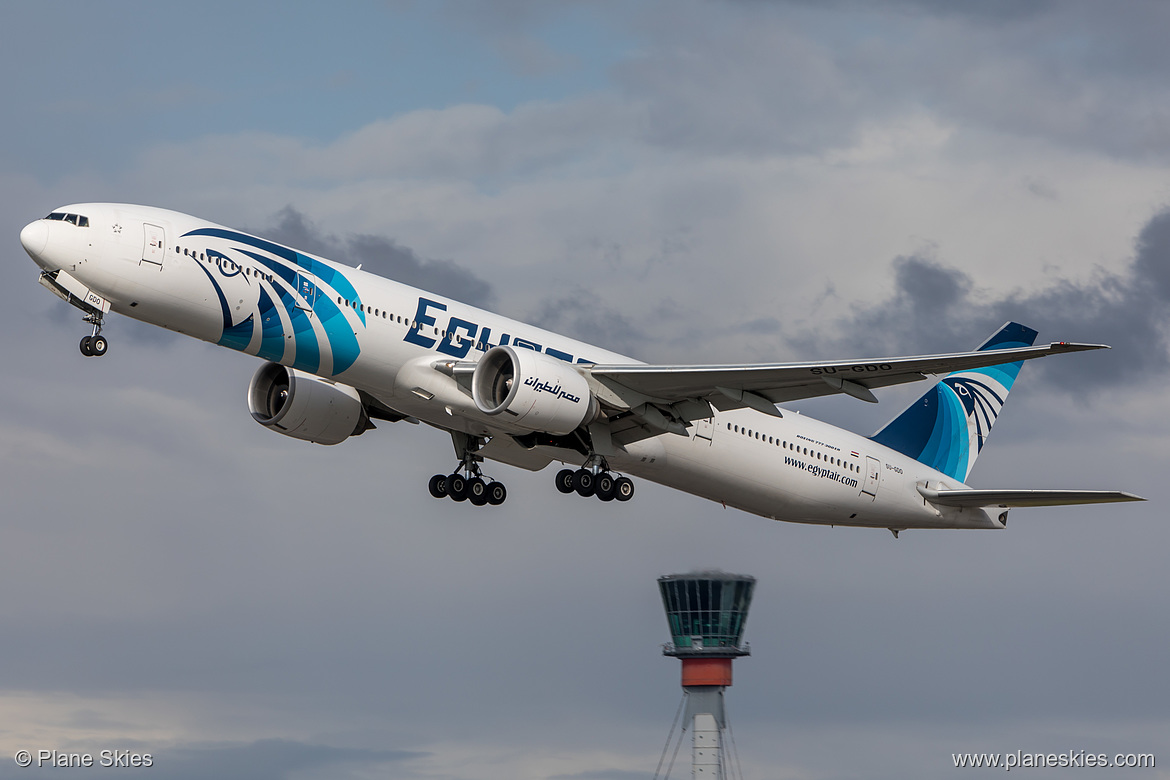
{"x":540,"y":386}
{"x":460,"y":336}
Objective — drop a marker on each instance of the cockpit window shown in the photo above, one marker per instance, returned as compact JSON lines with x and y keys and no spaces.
{"x":76,"y":219}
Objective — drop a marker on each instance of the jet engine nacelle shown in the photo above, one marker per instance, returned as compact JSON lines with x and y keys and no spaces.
{"x":532,"y":391}
{"x":305,"y":406}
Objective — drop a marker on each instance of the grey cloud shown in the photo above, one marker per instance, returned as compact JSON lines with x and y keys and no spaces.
{"x":382,"y":256}
{"x":935,"y":309}
{"x":612,"y":774}
{"x":799,"y":78}
{"x":266,"y":759}
{"x":583,"y":315}
{"x":1040,"y":188}
{"x":742,"y":88}
{"x":989,"y":11}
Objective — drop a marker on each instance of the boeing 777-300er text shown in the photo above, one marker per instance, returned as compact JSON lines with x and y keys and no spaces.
{"x":343,"y":348}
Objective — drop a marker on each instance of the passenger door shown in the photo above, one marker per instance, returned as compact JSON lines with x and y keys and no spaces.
{"x":306,"y":293}
{"x":153,"y":245}
{"x":873,"y":475}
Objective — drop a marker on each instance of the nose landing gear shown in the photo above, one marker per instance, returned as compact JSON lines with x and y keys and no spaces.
{"x":94,"y":345}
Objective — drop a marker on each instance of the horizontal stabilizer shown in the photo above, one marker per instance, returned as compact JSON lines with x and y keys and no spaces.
{"x":1008,"y":498}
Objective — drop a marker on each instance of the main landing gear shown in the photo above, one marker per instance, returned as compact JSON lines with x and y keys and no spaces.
{"x":96,"y":344}
{"x":467,"y":482}
{"x":595,"y":479}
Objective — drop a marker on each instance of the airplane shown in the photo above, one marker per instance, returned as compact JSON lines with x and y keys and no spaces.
{"x":343,"y":348}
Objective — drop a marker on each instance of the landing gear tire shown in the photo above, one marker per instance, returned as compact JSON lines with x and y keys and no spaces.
{"x":623,"y":489}
{"x":477,"y":491}
{"x":87,"y":346}
{"x":564,"y":481}
{"x":438,"y":486}
{"x":457,"y":487}
{"x":496,"y":493}
{"x":467,"y":482}
{"x":584,"y":482}
{"x":98,"y":346}
{"x":606,"y":485}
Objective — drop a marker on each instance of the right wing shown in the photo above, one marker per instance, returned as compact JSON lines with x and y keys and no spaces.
{"x":647,"y":400}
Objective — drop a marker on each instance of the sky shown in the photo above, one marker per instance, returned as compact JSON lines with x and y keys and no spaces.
{"x":679,"y":181}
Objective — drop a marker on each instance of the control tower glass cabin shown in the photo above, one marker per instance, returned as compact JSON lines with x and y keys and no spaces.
{"x":706,"y":612}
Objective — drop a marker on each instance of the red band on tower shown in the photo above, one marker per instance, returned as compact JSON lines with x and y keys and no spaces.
{"x":706,"y":671}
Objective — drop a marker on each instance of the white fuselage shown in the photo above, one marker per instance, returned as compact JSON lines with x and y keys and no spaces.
{"x":190,"y":276}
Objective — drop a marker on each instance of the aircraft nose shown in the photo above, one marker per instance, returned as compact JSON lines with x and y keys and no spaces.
{"x":34,"y":237}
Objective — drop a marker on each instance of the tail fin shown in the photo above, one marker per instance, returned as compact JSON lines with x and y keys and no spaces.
{"x":947,"y":427}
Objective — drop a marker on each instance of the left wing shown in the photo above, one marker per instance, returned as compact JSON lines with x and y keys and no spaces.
{"x":1010,"y":498}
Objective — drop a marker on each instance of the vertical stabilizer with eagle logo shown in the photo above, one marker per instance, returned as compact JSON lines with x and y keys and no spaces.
{"x":947,"y":427}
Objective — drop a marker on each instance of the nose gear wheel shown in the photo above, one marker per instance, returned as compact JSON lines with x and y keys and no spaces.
{"x":94,"y":345}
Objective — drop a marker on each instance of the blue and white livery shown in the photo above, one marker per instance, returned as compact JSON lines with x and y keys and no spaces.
{"x":343,"y":348}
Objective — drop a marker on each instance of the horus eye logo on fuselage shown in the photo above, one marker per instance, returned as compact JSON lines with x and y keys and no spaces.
{"x":228,"y":268}
{"x":304,"y":288}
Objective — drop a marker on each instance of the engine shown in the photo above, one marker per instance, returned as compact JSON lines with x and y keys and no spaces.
{"x":305,"y":406}
{"x":532,"y":391}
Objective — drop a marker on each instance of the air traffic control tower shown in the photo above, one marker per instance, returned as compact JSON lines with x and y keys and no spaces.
{"x":706,"y":612}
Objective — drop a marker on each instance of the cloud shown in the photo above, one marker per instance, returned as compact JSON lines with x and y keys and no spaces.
{"x":798,"y":77}
{"x":267,"y":759}
{"x":583,"y":315}
{"x":603,"y":774}
{"x":935,"y":308}
{"x":384,"y":257}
